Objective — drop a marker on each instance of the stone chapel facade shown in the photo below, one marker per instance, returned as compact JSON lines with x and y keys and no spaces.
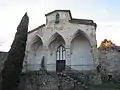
{"x":62,"y":41}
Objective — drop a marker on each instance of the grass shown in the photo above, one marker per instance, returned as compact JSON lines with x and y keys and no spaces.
{"x":106,"y":86}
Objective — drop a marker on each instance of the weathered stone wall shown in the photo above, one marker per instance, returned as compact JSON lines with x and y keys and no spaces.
{"x":110,"y":61}
{"x":67,"y":30}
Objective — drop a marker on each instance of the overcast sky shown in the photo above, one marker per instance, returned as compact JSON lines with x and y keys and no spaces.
{"x":106,"y":13}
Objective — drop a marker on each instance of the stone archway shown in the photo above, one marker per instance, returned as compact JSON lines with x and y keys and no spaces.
{"x":36,"y":54}
{"x":81,"y":55}
{"x":55,"y":41}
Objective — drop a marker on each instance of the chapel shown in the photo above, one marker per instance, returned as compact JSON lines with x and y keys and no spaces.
{"x":62,"y":42}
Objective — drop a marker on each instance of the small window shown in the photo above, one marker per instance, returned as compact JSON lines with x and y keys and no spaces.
{"x":61,"y":53}
{"x":57,"y":18}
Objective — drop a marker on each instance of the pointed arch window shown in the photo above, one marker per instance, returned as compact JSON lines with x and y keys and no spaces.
{"x":61,"y":53}
{"x":57,"y":18}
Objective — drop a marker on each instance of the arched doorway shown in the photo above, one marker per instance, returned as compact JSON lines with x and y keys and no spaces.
{"x":60,"y":58}
{"x":81,"y":56}
{"x":56,"y":52}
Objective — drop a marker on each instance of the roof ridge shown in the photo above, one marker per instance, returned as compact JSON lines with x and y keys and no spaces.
{"x":36,"y":28}
{"x":83,"y":19}
{"x":56,"y":10}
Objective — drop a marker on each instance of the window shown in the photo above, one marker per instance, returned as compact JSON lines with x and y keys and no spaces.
{"x":57,"y":18}
{"x":61,"y":53}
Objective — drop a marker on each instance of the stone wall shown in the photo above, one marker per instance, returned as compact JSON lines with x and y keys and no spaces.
{"x":68,"y":30}
{"x":50,"y":81}
{"x":110,"y":61}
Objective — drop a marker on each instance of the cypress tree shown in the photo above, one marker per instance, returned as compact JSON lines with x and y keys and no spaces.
{"x":14,"y":62}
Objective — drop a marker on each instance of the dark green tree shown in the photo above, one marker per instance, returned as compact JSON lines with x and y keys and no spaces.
{"x":14,"y":62}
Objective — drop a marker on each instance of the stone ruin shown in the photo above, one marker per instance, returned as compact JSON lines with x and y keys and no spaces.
{"x":109,"y":59}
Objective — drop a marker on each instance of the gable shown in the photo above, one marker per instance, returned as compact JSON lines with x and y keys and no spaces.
{"x":64,"y":15}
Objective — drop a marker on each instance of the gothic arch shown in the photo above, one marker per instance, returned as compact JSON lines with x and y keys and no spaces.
{"x":36,"y":53}
{"x":56,"y":36}
{"x":36,"y":43}
{"x":40,"y":38}
{"x":81,"y":56}
{"x":55,"y":42}
{"x":36,"y":39}
{"x":80,"y":32}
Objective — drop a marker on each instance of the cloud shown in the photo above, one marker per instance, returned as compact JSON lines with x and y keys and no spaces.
{"x":108,"y":30}
{"x":106,"y":16}
{"x":105,"y":11}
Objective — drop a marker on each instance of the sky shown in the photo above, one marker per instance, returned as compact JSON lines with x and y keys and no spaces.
{"x":106,"y":13}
